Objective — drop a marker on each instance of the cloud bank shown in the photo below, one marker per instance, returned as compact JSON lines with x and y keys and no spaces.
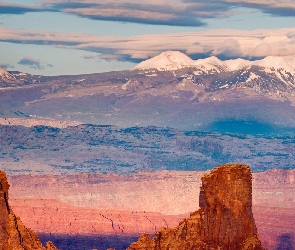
{"x":273,"y":7}
{"x":161,"y":12}
{"x":167,"y":12}
{"x":188,"y":13}
{"x":18,"y":9}
{"x":222,"y":43}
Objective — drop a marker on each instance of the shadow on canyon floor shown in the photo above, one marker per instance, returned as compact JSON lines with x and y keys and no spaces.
{"x":89,"y":242}
{"x":285,"y":242}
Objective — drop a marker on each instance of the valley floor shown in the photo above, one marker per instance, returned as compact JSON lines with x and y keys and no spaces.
{"x":101,"y":211}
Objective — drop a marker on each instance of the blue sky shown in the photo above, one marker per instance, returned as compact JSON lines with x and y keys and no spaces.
{"x":56,"y":37}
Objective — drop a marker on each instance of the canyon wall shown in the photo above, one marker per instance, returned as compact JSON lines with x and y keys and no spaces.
{"x":224,"y":220}
{"x":125,"y":205}
{"x":13,"y":234}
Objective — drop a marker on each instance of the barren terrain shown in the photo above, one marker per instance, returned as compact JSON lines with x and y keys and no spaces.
{"x":123,"y":206}
{"x":109,"y":149}
{"x":183,"y":99}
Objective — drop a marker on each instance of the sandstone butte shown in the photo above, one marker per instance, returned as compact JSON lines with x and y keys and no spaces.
{"x":224,"y":220}
{"x":13,"y":234}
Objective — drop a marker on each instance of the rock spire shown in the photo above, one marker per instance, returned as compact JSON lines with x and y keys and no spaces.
{"x":13,"y":234}
{"x":224,"y":220}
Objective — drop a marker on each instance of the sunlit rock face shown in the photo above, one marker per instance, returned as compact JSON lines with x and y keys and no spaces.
{"x":224,"y":220}
{"x":13,"y":234}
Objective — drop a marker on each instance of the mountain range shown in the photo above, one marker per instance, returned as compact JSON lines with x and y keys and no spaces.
{"x":81,"y":147}
{"x":174,"y":60}
{"x":170,"y":90}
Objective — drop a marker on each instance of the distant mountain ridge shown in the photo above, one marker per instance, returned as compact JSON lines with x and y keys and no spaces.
{"x":170,"y":90}
{"x":5,"y":75}
{"x":173,"y":60}
{"x":270,"y":74}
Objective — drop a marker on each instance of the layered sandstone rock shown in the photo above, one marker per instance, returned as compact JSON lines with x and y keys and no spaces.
{"x":224,"y":220}
{"x":13,"y":234}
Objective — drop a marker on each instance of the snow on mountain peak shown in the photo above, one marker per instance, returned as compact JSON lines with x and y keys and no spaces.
{"x":169,"y":60}
{"x":210,"y":60}
{"x":277,"y":62}
{"x":209,"y":65}
{"x":3,"y":71}
{"x":173,"y":60}
{"x":4,"y":74}
{"x":236,"y":64}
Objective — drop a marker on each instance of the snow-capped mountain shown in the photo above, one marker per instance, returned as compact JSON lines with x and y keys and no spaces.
{"x":182,"y":93}
{"x":5,"y":75}
{"x":282,"y":68}
{"x":169,"y":60}
{"x":286,"y":63}
{"x":269,"y":74}
{"x":210,"y":65}
{"x":173,"y":60}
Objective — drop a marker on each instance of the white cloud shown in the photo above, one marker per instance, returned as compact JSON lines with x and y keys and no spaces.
{"x":167,"y":12}
{"x":222,"y":43}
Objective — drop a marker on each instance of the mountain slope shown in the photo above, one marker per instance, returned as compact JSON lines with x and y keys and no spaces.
{"x":286,"y":63}
{"x":278,"y":69}
{"x":183,"y":93}
{"x":5,"y":75}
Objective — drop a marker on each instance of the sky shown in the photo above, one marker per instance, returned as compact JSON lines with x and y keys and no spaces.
{"x":60,"y":37}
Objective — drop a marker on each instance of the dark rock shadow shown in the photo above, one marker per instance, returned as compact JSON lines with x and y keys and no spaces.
{"x":285,"y":242}
{"x":88,"y":242}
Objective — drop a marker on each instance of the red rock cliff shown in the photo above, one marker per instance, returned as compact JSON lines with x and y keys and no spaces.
{"x":224,"y":220}
{"x":13,"y":234}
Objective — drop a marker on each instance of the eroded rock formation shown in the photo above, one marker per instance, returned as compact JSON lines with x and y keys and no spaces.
{"x":224,"y":220}
{"x":13,"y":234}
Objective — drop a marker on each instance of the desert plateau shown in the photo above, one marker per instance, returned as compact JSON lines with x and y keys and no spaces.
{"x":151,"y":125}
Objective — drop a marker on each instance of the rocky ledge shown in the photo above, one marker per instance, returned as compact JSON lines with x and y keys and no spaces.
{"x":224,"y":220}
{"x":13,"y":234}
